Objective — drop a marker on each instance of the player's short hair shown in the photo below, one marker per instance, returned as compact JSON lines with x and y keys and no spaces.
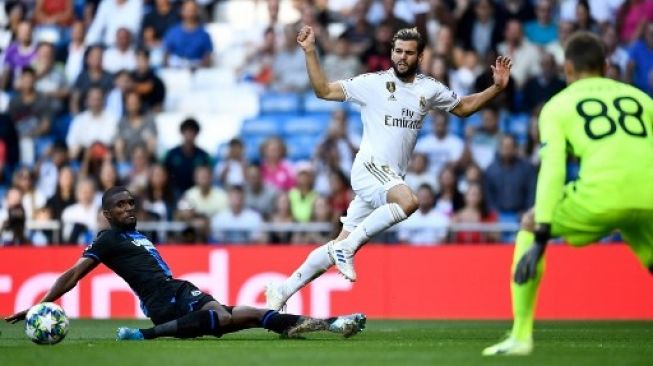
{"x":410,"y":34}
{"x":586,"y":52}
{"x":109,"y":193}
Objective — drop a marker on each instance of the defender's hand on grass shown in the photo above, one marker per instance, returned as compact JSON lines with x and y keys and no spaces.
{"x":16,"y":317}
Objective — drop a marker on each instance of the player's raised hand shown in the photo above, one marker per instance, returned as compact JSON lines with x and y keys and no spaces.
{"x":306,"y":38}
{"x":16,"y":317}
{"x":501,"y":71}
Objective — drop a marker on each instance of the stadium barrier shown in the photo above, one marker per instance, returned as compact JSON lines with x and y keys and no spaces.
{"x":446,"y":282}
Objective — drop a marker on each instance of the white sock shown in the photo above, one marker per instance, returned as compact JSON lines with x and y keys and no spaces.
{"x":315,"y":264}
{"x":380,"y":219}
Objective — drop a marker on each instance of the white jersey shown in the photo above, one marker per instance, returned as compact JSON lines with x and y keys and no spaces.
{"x":392,"y":112}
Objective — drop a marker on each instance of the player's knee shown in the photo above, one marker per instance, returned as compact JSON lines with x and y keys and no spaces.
{"x":528,"y":221}
{"x":410,"y":205}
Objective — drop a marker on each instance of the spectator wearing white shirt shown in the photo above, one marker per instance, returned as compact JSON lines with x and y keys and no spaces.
{"x":525,"y":56}
{"x":237,"y":224}
{"x":289,"y":66}
{"x":120,"y":56}
{"x":441,"y":147}
{"x":427,"y":226}
{"x":204,"y":198}
{"x":111,"y":16}
{"x":231,"y":170}
{"x":76,"y":50}
{"x":418,"y":173}
{"x":80,"y":220}
{"x":93,"y":125}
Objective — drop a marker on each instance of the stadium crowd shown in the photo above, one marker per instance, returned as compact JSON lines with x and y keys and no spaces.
{"x":81,"y":92}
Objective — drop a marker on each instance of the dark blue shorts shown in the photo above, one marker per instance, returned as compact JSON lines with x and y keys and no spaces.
{"x":175,"y":300}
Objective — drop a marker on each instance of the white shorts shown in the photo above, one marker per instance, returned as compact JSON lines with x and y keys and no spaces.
{"x":371,"y":182}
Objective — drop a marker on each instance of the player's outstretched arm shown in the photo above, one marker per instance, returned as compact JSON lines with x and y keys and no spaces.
{"x":322,"y":87}
{"x":471,"y":103}
{"x":63,"y":284}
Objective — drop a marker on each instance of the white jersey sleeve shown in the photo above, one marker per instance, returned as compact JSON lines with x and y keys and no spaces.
{"x":357,"y":89}
{"x":443,"y":97}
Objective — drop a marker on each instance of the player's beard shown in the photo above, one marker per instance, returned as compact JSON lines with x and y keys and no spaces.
{"x":410,"y":71}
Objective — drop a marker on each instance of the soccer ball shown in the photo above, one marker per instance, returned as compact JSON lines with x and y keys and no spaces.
{"x":46,"y":323}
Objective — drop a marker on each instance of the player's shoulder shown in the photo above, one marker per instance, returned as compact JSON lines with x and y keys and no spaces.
{"x":428,"y":81}
{"x":368,"y":76}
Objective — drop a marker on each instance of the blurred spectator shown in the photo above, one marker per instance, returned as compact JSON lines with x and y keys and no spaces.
{"x":603,"y":11}
{"x":139,"y":169}
{"x":540,"y":88}
{"x":397,"y":14}
{"x":9,"y":149}
{"x":48,"y":166}
{"x":525,"y":55}
{"x":340,"y":195}
{"x":259,"y":62}
{"x":159,"y":196}
{"x":112,"y":15}
{"x":510,"y":180}
{"x":231,"y":171}
{"x":181,"y":161}
{"x":53,"y":13}
{"x":632,"y":18}
{"x":303,"y":195}
{"x":615,"y":53}
{"x":584,"y":19}
{"x":163,"y":16}
{"x":13,"y":219}
{"x":92,"y":76}
{"x":533,"y":141}
{"x":187,"y":44}
{"x":276,"y":170}
{"x":64,"y":195}
{"x":359,"y":31}
{"x":521,"y":10}
{"x":445,"y":45}
{"x":427,"y":226}
{"x":377,"y":56}
{"x":107,"y":177}
{"x":542,"y":30}
{"x":449,"y":199}
{"x":50,"y":78}
{"x":32,"y":199}
{"x":80,"y":220}
{"x":237,"y":224}
{"x":120,"y":56}
{"x":281,"y":215}
{"x":259,"y":196}
{"x":20,"y":54}
{"x":203,"y":198}
{"x":484,"y":140}
{"x":320,"y":214}
{"x":16,"y":12}
{"x":289,"y":67}
{"x":418,"y":173}
{"x":31,"y":113}
{"x":640,"y":67}
{"x":438,"y":68}
{"x":472,"y":175}
{"x":93,"y":125}
{"x":75,"y":52}
{"x":122,"y":84}
{"x":481,"y":27}
{"x":339,"y":138}
{"x":442,"y":147}
{"x":135,"y":128}
{"x":565,"y":29}
{"x":341,"y":63}
{"x":147,"y":84}
{"x":614,"y":72}
{"x":463,"y":78}
{"x":475,"y":211}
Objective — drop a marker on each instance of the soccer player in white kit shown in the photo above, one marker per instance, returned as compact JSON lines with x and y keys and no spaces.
{"x":393,"y":105}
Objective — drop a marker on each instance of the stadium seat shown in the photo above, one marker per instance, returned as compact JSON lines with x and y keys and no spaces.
{"x":313,"y":104}
{"x":263,"y":125}
{"x":210,"y":79}
{"x":178,"y":82}
{"x":518,"y":125}
{"x":309,"y":124}
{"x":302,"y":147}
{"x":252,"y":145}
{"x":280,"y":103}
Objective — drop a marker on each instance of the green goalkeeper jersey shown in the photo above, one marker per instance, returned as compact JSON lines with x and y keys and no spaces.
{"x":608,"y":125}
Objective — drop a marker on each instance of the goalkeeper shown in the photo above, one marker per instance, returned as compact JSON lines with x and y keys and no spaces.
{"x":608,"y":125}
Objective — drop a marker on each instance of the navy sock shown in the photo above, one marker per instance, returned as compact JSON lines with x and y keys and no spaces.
{"x":278,"y":323}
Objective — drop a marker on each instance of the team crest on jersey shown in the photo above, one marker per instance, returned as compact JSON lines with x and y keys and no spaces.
{"x":391,"y":87}
{"x":422,"y":102}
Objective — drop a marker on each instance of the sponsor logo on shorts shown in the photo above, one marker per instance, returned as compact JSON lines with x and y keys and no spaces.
{"x":196,"y":292}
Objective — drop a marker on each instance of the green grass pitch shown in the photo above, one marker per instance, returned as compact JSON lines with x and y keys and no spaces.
{"x":91,"y":342}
